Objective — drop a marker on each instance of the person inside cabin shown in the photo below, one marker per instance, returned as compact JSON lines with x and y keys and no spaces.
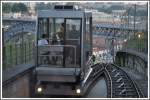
{"x":54,"y":42}
{"x":43,"y":50}
{"x":61,"y":33}
{"x":57,"y":38}
{"x":73,"y":39}
{"x":43,"y":41}
{"x":74,"y":34}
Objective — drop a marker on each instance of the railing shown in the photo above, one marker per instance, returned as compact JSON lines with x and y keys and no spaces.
{"x":109,"y":80}
{"x":18,"y":43}
{"x":88,"y":70}
{"x":137,"y":44}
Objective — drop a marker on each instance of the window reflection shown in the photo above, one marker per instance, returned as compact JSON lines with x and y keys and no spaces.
{"x":63,"y":36}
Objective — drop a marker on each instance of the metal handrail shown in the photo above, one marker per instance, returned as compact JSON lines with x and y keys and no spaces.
{"x":89,"y":62}
{"x":51,"y":39}
{"x":110,"y":81}
{"x":72,"y":46}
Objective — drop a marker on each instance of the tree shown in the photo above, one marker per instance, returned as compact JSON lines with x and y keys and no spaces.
{"x":15,"y":8}
{"x":19,"y":7}
{"x":23,"y":7}
{"x":6,"y":8}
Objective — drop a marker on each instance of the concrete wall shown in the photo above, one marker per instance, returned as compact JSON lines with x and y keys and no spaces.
{"x":18,"y":88}
{"x":132,"y":61}
{"x":17,"y":84}
{"x":136,"y":66}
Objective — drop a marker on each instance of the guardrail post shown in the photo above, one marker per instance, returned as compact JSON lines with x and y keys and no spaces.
{"x":11,"y":59}
{"x":20,"y":57}
{"x":25,"y":52}
{"x":16,"y":53}
{"x":133,"y":59}
{"x":3,"y":54}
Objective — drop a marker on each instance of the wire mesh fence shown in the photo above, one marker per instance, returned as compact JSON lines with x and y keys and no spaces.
{"x":137,"y":38}
{"x":15,"y":54}
{"x":18,"y":43}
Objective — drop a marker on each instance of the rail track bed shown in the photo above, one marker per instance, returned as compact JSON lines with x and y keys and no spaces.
{"x":119,"y":84}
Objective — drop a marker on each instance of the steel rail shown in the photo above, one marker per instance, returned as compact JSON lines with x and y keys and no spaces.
{"x":110,"y":81}
{"x":134,"y":84}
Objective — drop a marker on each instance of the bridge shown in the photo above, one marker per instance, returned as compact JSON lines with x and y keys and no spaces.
{"x":13,"y":28}
{"x":116,"y":72}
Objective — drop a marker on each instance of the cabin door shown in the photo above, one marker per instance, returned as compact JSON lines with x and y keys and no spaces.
{"x":72,"y":49}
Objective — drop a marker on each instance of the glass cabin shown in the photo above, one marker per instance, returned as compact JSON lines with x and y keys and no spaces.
{"x":64,"y":43}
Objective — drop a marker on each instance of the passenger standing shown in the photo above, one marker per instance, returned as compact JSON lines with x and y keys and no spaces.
{"x":61,"y":33}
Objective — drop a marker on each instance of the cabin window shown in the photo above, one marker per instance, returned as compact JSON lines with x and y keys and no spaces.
{"x":63,"y":36}
{"x":87,"y":36}
{"x":56,"y":26}
{"x":73,"y":28}
{"x":42,"y":27}
{"x":72,"y":38}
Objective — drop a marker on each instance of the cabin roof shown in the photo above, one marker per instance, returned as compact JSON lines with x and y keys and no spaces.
{"x":63,"y":14}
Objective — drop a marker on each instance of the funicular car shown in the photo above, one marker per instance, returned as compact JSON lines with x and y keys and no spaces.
{"x":63,"y":47}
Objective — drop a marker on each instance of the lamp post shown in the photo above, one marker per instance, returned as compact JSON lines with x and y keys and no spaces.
{"x":134,"y":18}
{"x":139,"y":37}
{"x":113,"y":39}
{"x":146,"y":36}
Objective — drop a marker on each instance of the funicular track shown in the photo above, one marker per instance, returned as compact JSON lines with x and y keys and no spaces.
{"x":119,"y":84}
